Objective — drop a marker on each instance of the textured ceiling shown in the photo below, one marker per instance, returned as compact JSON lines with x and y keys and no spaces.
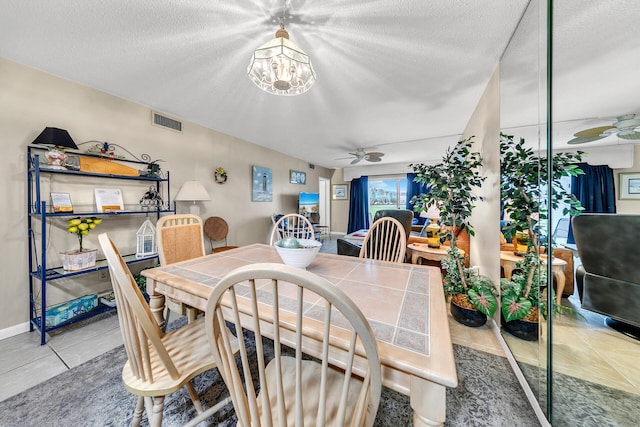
{"x":388,"y":71}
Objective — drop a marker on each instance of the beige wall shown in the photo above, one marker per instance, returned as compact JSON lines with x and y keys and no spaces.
{"x":628,"y":206}
{"x":339,"y":208}
{"x":31,"y":100}
{"x":485,"y":126}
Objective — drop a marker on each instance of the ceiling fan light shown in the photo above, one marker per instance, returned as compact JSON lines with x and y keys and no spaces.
{"x":280,"y":67}
{"x":630,"y":135}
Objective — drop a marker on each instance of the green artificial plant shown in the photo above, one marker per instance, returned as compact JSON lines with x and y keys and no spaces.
{"x":450,"y":188}
{"x":524,"y":179}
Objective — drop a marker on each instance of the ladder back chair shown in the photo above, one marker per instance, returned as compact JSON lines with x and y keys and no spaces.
{"x":385,"y":241}
{"x":292,"y":225}
{"x":341,"y":389}
{"x":179,"y":238}
{"x":216,"y":229}
{"x":158,"y":364}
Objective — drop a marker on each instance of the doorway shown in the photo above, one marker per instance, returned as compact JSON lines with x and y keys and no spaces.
{"x":324,"y":188}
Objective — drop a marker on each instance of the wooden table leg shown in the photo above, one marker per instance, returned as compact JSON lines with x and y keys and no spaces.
{"x":558,"y":273}
{"x":414,"y":257}
{"x":428,"y":401}
{"x":156,"y":303}
{"x":508,"y":268}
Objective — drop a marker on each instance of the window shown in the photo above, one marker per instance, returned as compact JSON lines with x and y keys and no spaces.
{"x":387,"y":193}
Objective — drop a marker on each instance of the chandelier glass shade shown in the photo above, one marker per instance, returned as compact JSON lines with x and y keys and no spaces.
{"x":280,"y":67}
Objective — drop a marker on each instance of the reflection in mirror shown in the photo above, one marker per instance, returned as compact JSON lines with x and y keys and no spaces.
{"x":596,"y":377}
{"x":523,"y":108}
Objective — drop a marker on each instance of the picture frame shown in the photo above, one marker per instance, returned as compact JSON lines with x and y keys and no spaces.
{"x":61,"y":203}
{"x":340,"y":192}
{"x":297,"y":177}
{"x":261,"y":184}
{"x":109,"y":200}
{"x":629,"y":184}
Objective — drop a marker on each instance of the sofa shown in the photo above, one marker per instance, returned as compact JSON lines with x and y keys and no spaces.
{"x":608,"y":280}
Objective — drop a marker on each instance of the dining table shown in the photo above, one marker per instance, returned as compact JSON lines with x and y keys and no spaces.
{"x":404,"y":304}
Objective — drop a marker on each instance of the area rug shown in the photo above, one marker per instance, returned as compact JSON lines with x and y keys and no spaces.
{"x":92,"y":395}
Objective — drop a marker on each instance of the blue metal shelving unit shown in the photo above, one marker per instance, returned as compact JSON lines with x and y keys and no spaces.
{"x":39,"y":211}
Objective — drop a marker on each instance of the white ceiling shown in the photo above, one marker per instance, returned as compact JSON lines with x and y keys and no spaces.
{"x":388,"y":70}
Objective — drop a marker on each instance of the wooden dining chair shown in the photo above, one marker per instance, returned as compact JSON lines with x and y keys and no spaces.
{"x":385,"y":241}
{"x":292,"y":225}
{"x":157,"y":363}
{"x":342,"y":388}
{"x":216,"y":229}
{"x":179,"y":238}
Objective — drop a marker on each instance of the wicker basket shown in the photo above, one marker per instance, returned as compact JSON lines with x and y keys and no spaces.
{"x":76,"y":260}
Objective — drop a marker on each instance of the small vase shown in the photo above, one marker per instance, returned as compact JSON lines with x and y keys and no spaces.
{"x":467,"y":316}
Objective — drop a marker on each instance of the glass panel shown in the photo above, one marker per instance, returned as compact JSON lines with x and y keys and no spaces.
{"x":523,"y":111}
{"x":595,"y":368}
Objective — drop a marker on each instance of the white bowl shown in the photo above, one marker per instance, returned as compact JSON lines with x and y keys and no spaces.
{"x":299,"y":257}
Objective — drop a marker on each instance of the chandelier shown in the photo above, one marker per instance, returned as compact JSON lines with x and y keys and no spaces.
{"x":280,"y":67}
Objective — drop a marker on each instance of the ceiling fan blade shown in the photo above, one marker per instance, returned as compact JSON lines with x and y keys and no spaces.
{"x":633,"y":135}
{"x":593,"y":132}
{"x":374,"y":159}
{"x":584,"y":139}
{"x":375,"y":154}
{"x":356,"y":160}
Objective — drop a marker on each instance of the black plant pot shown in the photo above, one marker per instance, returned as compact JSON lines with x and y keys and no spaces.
{"x":467,"y":317}
{"x":522,"y":329}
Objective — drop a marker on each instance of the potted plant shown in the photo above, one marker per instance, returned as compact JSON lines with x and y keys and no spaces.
{"x":81,"y":258}
{"x":450,"y":185}
{"x":524,"y":176}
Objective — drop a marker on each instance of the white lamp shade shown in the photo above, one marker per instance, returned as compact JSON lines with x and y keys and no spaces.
{"x":192,"y":191}
{"x":432,"y":212}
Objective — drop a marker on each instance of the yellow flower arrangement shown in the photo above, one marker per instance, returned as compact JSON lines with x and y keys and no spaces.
{"x":82,"y":226}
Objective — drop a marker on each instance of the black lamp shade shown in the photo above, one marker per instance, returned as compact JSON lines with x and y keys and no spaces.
{"x":55,"y":136}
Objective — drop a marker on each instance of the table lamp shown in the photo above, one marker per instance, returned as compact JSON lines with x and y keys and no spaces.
{"x":57,"y":139}
{"x":433,"y":228}
{"x":192,"y":191}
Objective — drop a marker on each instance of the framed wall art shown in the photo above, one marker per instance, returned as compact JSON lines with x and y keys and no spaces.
{"x":297,"y":177}
{"x":261,"y":184}
{"x":340,"y":192}
{"x":629,"y":185}
{"x":61,"y":203}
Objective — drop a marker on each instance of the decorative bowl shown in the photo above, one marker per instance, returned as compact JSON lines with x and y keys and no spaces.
{"x":299,"y":257}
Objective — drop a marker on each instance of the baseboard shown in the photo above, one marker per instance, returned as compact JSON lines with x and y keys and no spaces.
{"x":14,"y":330}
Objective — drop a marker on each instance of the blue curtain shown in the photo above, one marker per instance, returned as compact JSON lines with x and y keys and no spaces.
{"x":359,"y":204}
{"x":414,"y":189}
{"x":595,"y":190}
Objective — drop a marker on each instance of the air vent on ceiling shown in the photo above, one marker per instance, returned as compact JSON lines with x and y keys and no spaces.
{"x":164,"y":121}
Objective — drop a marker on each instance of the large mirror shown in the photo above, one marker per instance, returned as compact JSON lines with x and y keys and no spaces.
{"x":522,"y":115}
{"x":580,"y":368}
{"x":596,"y":99}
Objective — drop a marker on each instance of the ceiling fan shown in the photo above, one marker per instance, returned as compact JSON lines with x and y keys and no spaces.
{"x":373,"y":156}
{"x":624,"y":127}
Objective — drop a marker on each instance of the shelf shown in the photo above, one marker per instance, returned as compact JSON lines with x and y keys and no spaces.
{"x":101,"y":175}
{"x":92,"y":213}
{"x":101,"y":308}
{"x":39,"y":211}
{"x":60,"y":273}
